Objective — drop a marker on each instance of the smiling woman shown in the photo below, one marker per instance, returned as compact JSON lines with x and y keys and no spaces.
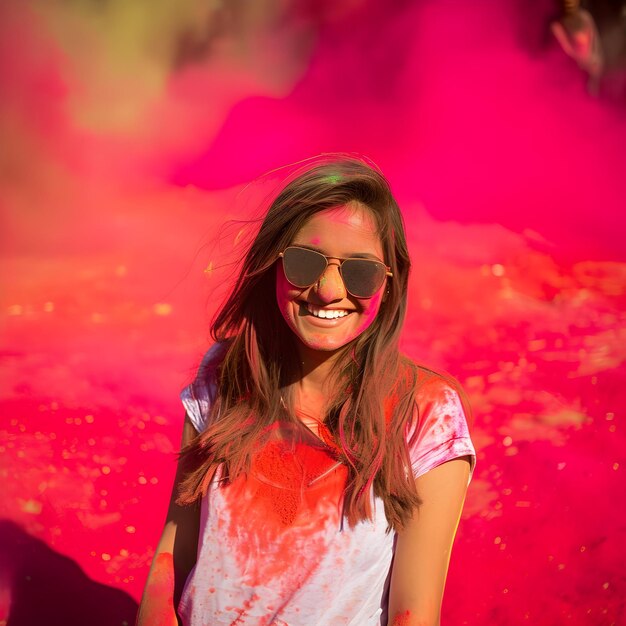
{"x":309,"y":437}
{"x":323,"y":314}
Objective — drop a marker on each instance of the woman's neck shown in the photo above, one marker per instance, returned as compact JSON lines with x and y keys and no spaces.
{"x":317,"y":369}
{"x":314,"y":388}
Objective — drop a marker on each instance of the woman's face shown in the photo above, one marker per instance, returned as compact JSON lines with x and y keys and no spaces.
{"x":341,"y":232}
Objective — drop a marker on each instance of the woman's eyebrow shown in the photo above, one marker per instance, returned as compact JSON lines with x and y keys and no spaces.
{"x":352,"y":255}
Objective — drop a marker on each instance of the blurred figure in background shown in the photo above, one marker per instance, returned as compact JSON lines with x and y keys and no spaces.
{"x":594,"y":35}
{"x":577,"y":34}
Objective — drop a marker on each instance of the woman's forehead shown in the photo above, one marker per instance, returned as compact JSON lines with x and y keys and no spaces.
{"x":352,"y":228}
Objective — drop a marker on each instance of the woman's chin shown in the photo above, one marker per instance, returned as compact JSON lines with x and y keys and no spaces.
{"x":323,"y":343}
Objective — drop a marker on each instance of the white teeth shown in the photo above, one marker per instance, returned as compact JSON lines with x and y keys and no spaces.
{"x":326,"y":313}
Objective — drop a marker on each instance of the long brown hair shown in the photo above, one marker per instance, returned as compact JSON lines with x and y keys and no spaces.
{"x":374,"y":383}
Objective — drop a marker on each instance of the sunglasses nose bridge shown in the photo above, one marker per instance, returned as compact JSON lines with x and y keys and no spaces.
{"x":330,"y":286}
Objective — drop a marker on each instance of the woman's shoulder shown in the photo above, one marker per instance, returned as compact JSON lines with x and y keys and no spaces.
{"x":427,"y":381}
{"x":215,"y":354}
{"x":439,"y":427}
{"x":201,"y":393}
{"x":434,"y":392}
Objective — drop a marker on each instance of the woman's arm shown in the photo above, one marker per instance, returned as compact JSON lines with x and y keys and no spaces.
{"x":174,"y":557}
{"x":423,"y":548}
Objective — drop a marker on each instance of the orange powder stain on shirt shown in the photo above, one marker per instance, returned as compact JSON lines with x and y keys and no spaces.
{"x":285,"y":471}
{"x":294,"y":489}
{"x":402,"y":619}
{"x":278,"y":466}
{"x":242,"y":612}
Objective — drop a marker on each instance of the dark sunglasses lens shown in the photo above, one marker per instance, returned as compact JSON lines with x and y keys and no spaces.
{"x":363,"y":278}
{"x":303,"y":267}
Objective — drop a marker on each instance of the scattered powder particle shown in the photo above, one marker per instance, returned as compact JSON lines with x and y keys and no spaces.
{"x":106,"y":557}
{"x":130,"y":529}
{"x":162,"y":308}
{"x":31,"y":506}
{"x":238,"y":236}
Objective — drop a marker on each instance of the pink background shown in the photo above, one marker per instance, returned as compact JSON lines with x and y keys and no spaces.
{"x":128,"y":135}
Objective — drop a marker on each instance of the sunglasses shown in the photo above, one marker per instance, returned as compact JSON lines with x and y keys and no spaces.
{"x":362,"y":277}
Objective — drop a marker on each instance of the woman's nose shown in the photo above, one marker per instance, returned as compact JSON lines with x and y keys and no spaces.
{"x":330,"y":287}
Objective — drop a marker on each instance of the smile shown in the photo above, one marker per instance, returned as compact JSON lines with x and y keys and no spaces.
{"x":326,"y":313}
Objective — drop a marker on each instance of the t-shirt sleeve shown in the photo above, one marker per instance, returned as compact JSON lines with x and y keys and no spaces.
{"x":198,"y":397}
{"x":440,"y":433}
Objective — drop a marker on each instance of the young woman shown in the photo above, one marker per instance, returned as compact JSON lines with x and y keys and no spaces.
{"x":330,"y":470}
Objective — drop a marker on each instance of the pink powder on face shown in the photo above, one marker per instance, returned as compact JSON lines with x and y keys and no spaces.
{"x":339,"y":233}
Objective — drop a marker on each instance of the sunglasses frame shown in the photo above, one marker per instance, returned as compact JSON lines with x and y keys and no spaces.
{"x":388,"y":272}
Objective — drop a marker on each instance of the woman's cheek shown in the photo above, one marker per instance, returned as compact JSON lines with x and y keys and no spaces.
{"x":286,"y":296}
{"x":370,"y":311}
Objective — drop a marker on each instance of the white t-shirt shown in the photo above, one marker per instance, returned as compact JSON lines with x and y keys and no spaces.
{"x":274,"y":548}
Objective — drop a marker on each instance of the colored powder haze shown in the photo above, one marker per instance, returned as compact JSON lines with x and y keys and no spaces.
{"x":129,"y":133}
